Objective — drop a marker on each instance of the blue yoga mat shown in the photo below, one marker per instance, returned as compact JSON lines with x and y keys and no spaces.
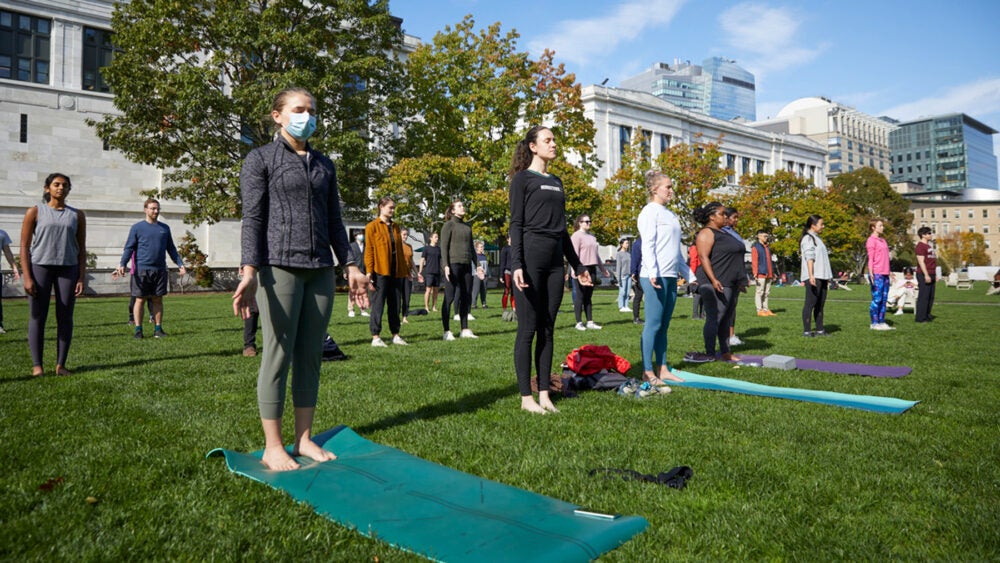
{"x":435,"y":511}
{"x":864,"y":402}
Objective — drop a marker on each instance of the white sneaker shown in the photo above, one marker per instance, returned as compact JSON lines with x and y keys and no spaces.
{"x":377,"y":343}
{"x":470,"y":317}
{"x":398,"y":341}
{"x":466,"y":333}
{"x":624,"y":310}
{"x":887,"y":327}
{"x":364,"y":313}
{"x":350,"y":313}
{"x":448,"y":335}
{"x":456,"y":317}
{"x":579,"y":326}
{"x":735,"y":341}
{"x":591,"y":325}
{"x":898,"y":312}
{"x":2,"y":331}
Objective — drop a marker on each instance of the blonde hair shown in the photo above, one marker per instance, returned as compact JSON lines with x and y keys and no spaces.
{"x":652,"y":179}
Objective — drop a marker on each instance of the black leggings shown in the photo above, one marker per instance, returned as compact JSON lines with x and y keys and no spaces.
{"x":637,"y":294}
{"x":815,"y":299}
{"x":404,"y":299}
{"x":460,"y":280}
{"x":584,"y":303}
{"x":63,"y":279}
{"x":720,"y":308}
{"x":387,"y":290}
{"x":537,"y":306}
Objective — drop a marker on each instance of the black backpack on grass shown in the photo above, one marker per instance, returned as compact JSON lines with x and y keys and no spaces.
{"x":332,"y":352}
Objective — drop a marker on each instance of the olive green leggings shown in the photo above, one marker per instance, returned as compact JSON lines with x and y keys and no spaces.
{"x":295,"y":306}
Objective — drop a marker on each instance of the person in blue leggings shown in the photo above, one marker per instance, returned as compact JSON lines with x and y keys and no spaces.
{"x":662,"y":261}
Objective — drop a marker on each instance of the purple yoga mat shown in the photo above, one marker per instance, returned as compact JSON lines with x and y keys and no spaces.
{"x":842,"y":368}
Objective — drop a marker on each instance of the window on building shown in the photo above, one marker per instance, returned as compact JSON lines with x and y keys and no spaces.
{"x":932,"y":213}
{"x":760,"y":170}
{"x":957,"y":214}
{"x":23,"y":138}
{"x":731,"y":166}
{"x":871,"y":162}
{"x":745,"y":165}
{"x":850,"y":144}
{"x":945,"y":227}
{"x":970,"y":214}
{"x":921,"y":213}
{"x":909,"y":156}
{"x":624,"y":138}
{"x":986,"y":213}
{"x":986,"y":229}
{"x":664,"y":142}
{"x":97,"y":54}
{"x":24,"y":47}
{"x":647,"y":145}
{"x":850,"y":157}
{"x":972,"y":228}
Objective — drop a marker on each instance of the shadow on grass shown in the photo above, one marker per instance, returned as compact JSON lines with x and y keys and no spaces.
{"x":467,"y":403}
{"x":146,"y":361}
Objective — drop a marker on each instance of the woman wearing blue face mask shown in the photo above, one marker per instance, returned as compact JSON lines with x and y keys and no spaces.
{"x":291,"y":219}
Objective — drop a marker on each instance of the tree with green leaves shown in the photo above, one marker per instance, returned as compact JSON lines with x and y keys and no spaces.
{"x":957,"y":250}
{"x":867,"y":194}
{"x":624,"y":194}
{"x":194,"y":81}
{"x":472,"y":96}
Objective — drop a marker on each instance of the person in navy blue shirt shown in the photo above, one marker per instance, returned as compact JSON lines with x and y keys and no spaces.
{"x":149,"y":241}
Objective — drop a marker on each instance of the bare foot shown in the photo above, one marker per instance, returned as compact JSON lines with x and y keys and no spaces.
{"x":529,"y":404}
{"x":37,"y":371}
{"x":731,"y":358}
{"x":548,"y":406}
{"x":667,"y":375}
{"x":60,"y":370}
{"x":312,"y":450}
{"x":277,"y":459}
{"x":652,"y":379}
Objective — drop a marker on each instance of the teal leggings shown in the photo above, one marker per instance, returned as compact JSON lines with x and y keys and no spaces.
{"x":295,"y":306}
{"x":659,"y":309}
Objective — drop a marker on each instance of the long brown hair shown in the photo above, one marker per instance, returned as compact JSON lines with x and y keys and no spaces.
{"x":451,"y":209}
{"x":522,"y":153}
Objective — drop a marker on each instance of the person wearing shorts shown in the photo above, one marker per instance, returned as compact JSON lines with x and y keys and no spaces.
{"x":149,"y":240}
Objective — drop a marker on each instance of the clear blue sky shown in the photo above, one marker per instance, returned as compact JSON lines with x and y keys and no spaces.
{"x":904,"y":59}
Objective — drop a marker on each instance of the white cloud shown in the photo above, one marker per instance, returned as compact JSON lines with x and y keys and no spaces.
{"x":581,"y":41}
{"x":979,"y":99}
{"x":767,"y":36}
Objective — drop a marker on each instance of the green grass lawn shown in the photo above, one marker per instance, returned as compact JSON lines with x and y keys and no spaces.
{"x":109,"y":464}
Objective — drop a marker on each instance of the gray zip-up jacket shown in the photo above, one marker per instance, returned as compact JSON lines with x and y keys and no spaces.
{"x":291,"y":209}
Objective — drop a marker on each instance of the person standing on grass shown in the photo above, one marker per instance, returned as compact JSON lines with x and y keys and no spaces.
{"x":662,"y":262}
{"x":878,"y":274}
{"x":358,"y":253}
{"x":763,"y":272}
{"x":926,"y":274}
{"x":459,"y":259}
{"x":816,"y":274}
{"x":719,"y":279}
{"x":538,"y":243}
{"x":635,"y":266}
{"x":291,"y":219}
{"x":479,"y":280}
{"x":5,"y":245}
{"x":385,"y":263}
{"x":732,"y":219}
{"x":148,"y":241}
{"x":508,"y":290}
{"x":586,"y":247}
{"x":53,"y":257}
{"x":623,"y":268}
{"x":430,"y":273}
{"x":411,"y":273}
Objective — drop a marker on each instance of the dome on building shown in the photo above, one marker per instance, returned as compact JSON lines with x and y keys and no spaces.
{"x":804,"y":104}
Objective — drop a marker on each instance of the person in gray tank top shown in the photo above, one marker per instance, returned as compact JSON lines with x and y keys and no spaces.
{"x":53,"y":255}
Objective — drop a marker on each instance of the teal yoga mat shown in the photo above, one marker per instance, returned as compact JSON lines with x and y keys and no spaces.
{"x":435,"y":511}
{"x":864,"y":402}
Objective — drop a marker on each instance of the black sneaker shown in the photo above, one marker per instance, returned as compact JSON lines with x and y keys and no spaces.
{"x":821,"y":333}
{"x":698,"y":358}
{"x":159,"y":334}
{"x":638,"y":322}
{"x":138,"y":335}
{"x":808,"y":334}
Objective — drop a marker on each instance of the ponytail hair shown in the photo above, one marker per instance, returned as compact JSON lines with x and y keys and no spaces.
{"x":522,"y":152}
{"x":48,"y":182}
{"x":652,"y":178}
{"x":812,"y":220}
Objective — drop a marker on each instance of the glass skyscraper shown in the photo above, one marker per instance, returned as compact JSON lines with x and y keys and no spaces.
{"x":719,"y":87}
{"x":947,"y":152}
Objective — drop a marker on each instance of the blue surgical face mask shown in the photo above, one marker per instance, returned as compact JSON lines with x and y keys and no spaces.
{"x":301,"y":125}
